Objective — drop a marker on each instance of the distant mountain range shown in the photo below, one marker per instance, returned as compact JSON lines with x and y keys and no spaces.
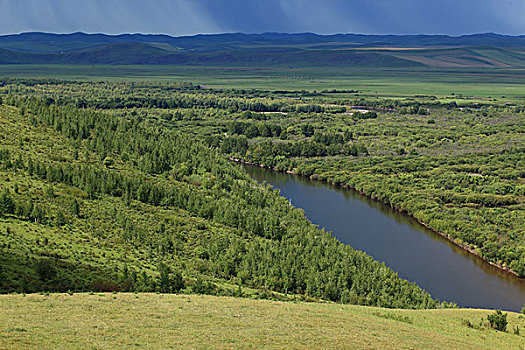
{"x":268,"y":49}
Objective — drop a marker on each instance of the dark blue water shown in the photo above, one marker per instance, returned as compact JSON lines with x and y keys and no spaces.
{"x":414,"y":252}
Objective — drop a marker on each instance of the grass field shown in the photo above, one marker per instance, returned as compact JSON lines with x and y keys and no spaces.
{"x":449,"y":84}
{"x":157,"y":321}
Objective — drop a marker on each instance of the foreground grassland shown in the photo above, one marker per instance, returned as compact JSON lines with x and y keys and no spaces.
{"x":121,"y":321}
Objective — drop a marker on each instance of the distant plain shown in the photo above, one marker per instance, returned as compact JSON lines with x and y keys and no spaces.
{"x":445,"y":84}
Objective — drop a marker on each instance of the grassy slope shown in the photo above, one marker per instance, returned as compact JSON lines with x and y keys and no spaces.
{"x":112,"y":321}
{"x":83,"y":246}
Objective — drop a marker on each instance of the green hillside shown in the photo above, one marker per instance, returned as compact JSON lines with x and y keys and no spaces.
{"x":457,"y":170}
{"x":91,"y":200}
{"x":125,"y":321}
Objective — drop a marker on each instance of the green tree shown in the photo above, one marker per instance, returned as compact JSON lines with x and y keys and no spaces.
{"x":38,"y":213}
{"x":348,"y":135}
{"x":45,"y":269}
{"x":252,"y":131}
{"x":60,"y":219}
{"x":108,"y":162}
{"x":7,"y":204}
{"x":177,"y":281}
{"x":75,"y":208}
{"x":50,"y":192}
{"x":164,"y":281}
{"x":307,"y":130}
{"x":125,"y":272}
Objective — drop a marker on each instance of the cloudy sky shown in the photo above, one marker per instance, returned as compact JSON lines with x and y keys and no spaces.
{"x":186,"y":17}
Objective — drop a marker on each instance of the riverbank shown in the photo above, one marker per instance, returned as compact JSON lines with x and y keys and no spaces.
{"x":462,"y":246}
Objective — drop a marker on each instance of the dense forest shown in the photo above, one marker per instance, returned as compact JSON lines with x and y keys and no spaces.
{"x":127,"y":186}
{"x":458,"y":169}
{"x":98,"y":195}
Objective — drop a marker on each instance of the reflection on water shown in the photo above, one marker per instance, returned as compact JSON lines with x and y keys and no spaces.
{"x":416,"y":253}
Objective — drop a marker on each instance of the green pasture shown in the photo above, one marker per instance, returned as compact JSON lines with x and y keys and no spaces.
{"x":150,"y":321}
{"x":475,"y":85}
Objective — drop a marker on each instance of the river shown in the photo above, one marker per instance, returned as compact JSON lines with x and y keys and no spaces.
{"x":414,"y":252}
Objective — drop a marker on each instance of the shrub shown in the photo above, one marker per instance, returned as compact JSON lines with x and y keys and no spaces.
{"x":45,"y":270}
{"x":127,"y":285}
{"x":498,"y":321}
{"x":200,"y":286}
{"x":60,"y":219}
{"x":105,"y":286}
{"x":108,"y":162}
{"x":167,"y":282}
{"x":467,"y":323}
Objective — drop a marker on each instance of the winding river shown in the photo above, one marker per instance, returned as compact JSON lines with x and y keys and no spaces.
{"x":414,"y":252}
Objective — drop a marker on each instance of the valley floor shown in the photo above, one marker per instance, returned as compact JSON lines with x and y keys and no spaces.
{"x":159,"y":321}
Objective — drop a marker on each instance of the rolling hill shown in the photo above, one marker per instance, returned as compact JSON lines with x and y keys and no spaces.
{"x":268,"y":49}
{"x":115,"y":321}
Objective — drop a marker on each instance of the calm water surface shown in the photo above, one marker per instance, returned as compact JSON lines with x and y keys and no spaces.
{"x":416,"y":253}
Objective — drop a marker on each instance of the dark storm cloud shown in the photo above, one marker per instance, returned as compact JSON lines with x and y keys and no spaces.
{"x":181,"y":17}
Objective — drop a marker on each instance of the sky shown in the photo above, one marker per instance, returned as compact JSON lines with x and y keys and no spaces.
{"x":188,"y":17}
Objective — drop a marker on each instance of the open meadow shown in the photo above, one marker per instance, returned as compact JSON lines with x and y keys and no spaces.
{"x":446,"y":84}
{"x":157,"y":321}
